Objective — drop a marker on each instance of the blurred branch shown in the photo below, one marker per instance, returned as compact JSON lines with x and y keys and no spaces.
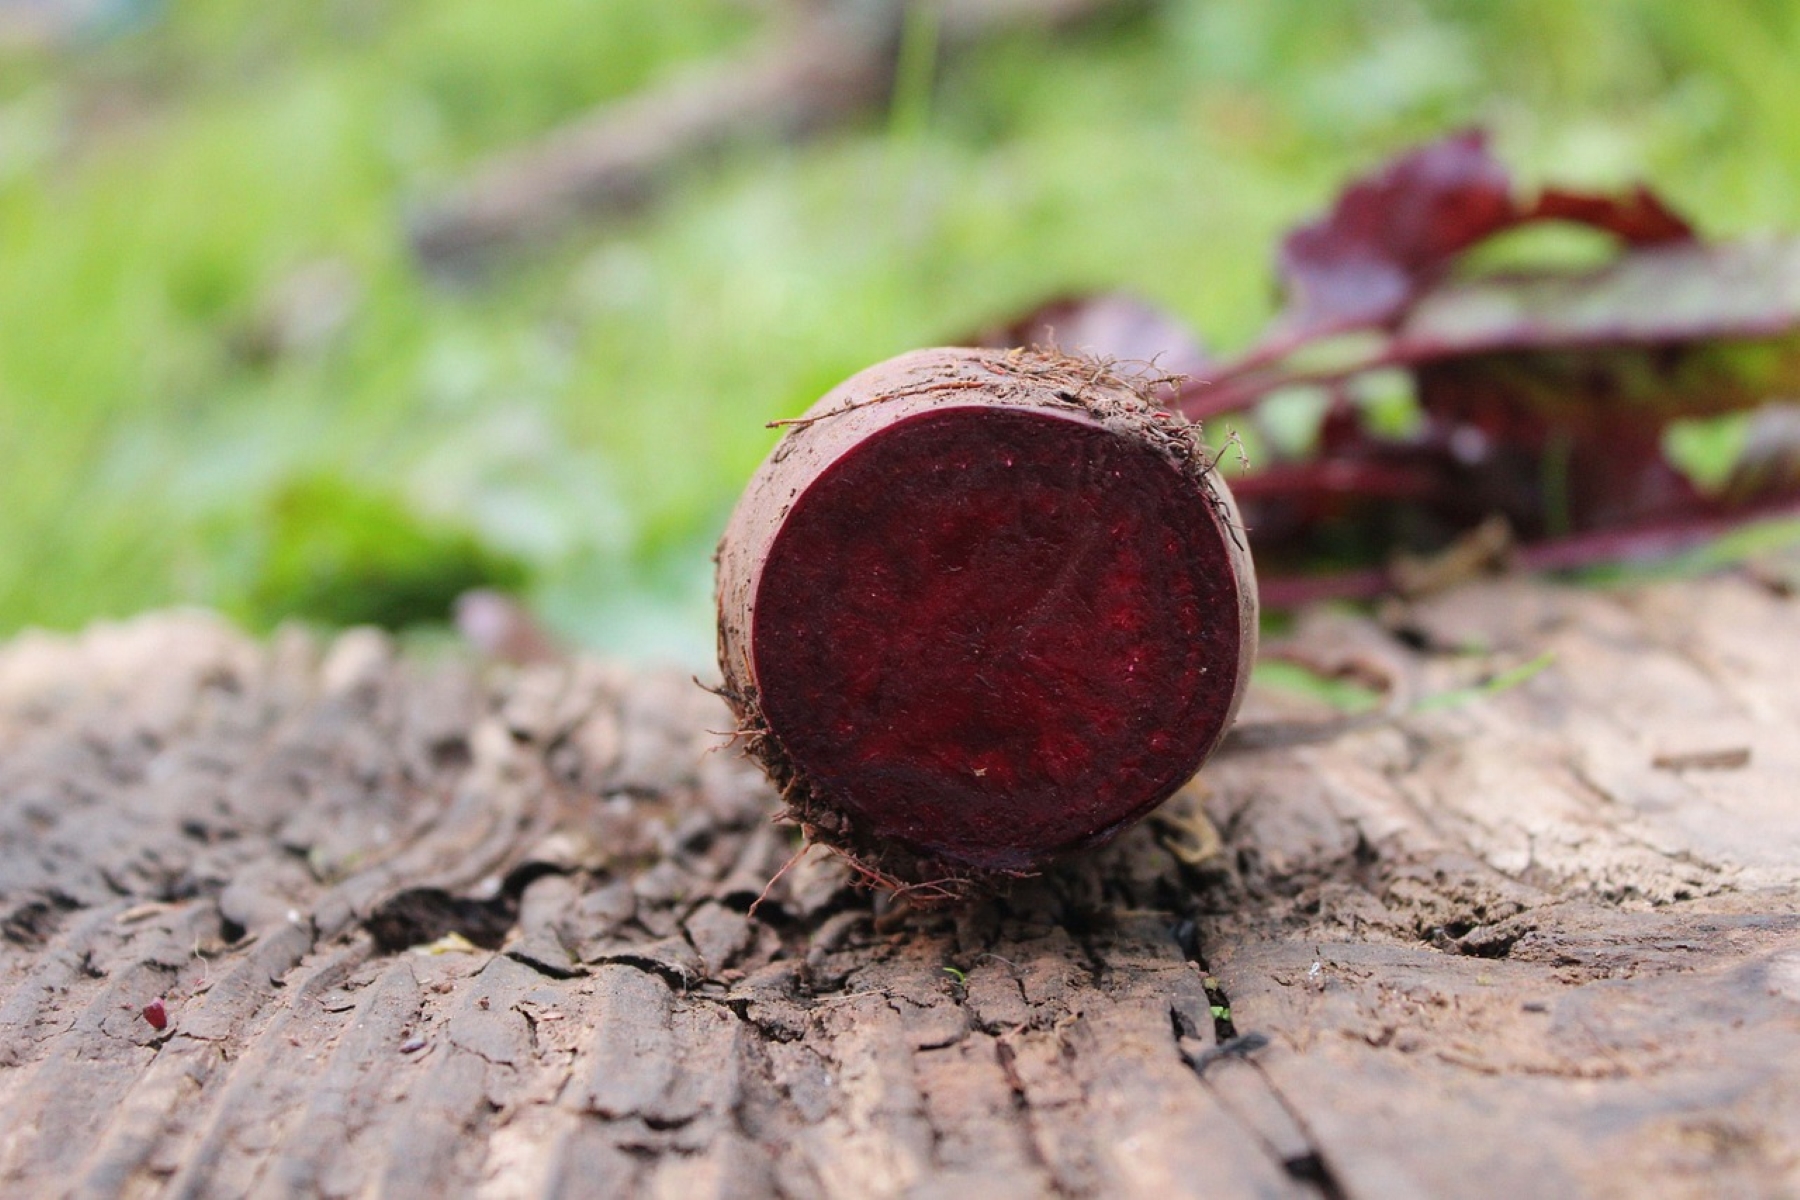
{"x":832,"y":62}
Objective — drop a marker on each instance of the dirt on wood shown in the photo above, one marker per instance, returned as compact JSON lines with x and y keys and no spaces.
{"x":422,"y":928}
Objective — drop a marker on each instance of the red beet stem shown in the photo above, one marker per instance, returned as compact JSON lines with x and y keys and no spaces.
{"x":979,"y":610}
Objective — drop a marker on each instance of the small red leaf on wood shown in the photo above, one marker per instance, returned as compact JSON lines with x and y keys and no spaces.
{"x":157,"y":1013}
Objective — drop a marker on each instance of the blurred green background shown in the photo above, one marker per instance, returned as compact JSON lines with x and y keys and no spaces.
{"x":224,"y":379}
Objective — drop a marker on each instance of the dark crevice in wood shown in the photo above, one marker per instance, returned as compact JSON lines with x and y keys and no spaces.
{"x":1311,"y":1169}
{"x":420,"y":916}
{"x":1224,"y":1026}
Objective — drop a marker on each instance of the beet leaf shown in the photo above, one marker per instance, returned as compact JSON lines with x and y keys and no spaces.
{"x":1543,"y":396}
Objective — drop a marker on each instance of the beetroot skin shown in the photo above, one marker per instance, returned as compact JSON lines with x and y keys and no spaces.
{"x":980,"y":609}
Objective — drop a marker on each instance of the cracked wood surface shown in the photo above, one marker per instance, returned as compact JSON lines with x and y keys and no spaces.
{"x":1543,"y":942}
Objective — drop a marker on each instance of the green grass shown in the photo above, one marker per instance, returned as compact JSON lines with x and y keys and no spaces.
{"x":592,"y":411}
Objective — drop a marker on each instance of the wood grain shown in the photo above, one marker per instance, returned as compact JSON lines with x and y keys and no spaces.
{"x":428,"y":928}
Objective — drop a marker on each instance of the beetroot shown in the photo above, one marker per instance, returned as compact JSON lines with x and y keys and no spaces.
{"x":980,"y":609}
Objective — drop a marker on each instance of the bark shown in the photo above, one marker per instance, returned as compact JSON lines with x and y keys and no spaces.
{"x":423,"y":928}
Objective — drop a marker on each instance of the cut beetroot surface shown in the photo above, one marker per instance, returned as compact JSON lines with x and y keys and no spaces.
{"x":981,"y":610}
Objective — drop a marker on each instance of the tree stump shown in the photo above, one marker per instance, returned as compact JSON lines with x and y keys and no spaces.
{"x":422,"y":927}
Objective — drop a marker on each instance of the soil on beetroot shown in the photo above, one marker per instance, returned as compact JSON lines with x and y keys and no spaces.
{"x":980,"y":609}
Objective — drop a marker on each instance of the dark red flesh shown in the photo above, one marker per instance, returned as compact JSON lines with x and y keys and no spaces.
{"x":993,"y":635}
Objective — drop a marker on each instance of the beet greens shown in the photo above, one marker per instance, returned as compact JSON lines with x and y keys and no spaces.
{"x":1543,"y":396}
